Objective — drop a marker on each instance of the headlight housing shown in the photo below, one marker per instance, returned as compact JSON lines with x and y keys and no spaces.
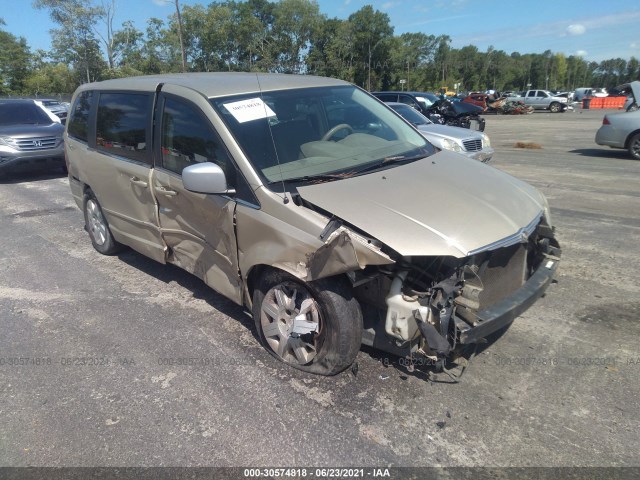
{"x":8,"y":141}
{"x":449,"y":144}
{"x":485,"y":140}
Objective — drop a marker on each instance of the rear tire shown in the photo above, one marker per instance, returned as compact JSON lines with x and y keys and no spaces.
{"x":634,"y":146}
{"x":98,"y":227}
{"x":326,"y":305}
{"x":555,"y":107}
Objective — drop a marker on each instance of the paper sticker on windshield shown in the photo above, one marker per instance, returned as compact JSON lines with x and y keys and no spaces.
{"x":248,"y":110}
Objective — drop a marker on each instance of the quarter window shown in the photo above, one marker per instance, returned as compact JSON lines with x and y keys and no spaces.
{"x":123,"y":122}
{"x":187,"y":138}
{"x":79,"y":121}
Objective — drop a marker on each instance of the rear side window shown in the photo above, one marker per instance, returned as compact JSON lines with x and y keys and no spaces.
{"x":123,"y":125}
{"x":407,"y":100}
{"x":387,"y":97}
{"x":188,"y":138}
{"x":78,"y":124}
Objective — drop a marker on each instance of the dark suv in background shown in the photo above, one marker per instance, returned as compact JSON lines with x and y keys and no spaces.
{"x":421,"y":101}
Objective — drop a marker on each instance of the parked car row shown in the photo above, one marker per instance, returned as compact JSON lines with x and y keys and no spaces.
{"x":439,"y":109}
{"x":58,"y":108}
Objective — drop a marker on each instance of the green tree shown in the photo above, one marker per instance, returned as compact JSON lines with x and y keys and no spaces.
{"x":127,"y":46}
{"x":295,"y":24}
{"x":15,"y":60}
{"x":561,"y":67}
{"x":51,"y":79}
{"x":74,"y":42}
{"x":410,"y":53}
{"x":371,"y":34}
{"x":633,"y":70}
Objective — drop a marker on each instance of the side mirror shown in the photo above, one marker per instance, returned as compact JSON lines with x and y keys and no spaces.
{"x":205,"y":177}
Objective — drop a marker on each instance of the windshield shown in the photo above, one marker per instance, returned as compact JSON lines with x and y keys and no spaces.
{"x":22,"y":113}
{"x":311,"y":132}
{"x":411,"y":114}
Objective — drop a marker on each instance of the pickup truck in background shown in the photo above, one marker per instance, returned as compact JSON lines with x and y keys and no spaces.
{"x":543,"y":100}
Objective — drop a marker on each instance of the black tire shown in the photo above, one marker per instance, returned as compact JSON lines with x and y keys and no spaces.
{"x":634,"y":146}
{"x":555,"y":107}
{"x":332,"y":308}
{"x":97,"y":226}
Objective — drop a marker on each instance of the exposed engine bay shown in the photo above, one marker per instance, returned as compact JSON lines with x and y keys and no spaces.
{"x":431,"y":305}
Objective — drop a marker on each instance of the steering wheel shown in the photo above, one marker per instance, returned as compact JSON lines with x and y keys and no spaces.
{"x":336,"y":129}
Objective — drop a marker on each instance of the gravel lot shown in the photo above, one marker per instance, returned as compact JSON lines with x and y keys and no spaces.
{"x":559,"y":388}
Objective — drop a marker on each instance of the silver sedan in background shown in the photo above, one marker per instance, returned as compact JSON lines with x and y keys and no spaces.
{"x":621,"y":130}
{"x":473,"y":144}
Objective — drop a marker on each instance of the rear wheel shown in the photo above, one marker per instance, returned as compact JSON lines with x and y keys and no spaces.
{"x":634,"y":146}
{"x":97,"y":226}
{"x":313,"y":326}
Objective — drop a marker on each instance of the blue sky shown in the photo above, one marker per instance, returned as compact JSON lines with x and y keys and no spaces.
{"x":597,"y":30}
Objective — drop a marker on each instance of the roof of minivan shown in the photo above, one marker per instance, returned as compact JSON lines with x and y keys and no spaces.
{"x":217,"y":84}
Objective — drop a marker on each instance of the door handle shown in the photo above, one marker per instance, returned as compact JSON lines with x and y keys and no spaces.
{"x":167,"y":192}
{"x":137,"y":181}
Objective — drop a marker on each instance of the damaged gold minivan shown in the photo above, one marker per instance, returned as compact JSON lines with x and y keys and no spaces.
{"x":314,"y":205}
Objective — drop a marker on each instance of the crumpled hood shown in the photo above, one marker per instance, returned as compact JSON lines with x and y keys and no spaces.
{"x":445,"y":204}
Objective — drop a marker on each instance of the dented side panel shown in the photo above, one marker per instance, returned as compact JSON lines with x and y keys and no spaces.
{"x":198,"y":229}
{"x":288,"y":237}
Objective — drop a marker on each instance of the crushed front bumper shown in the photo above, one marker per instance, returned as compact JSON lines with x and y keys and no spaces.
{"x":483,"y":155}
{"x":507,"y":310}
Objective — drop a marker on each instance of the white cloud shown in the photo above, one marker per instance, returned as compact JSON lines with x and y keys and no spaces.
{"x":387,"y":5}
{"x":633,"y":45}
{"x":161,"y":3}
{"x":581,"y":53}
{"x":576,"y":29}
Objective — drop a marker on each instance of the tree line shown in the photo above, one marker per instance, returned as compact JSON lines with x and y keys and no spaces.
{"x":287,"y":36}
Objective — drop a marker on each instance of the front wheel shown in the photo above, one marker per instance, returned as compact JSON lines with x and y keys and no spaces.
{"x":97,"y":226}
{"x":555,"y":107}
{"x":634,"y":146}
{"x":313,"y":326}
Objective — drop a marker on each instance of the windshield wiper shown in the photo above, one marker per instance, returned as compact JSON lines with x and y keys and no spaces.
{"x":309,"y":178}
{"x":392,"y":159}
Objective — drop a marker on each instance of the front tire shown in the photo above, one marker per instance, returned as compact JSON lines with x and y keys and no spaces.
{"x":312,"y":326}
{"x":634,"y":146}
{"x":98,"y":227}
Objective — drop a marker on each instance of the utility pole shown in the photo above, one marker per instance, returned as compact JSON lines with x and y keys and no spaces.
{"x":184,"y":56}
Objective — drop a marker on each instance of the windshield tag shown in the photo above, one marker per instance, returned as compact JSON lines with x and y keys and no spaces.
{"x":248,"y":110}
